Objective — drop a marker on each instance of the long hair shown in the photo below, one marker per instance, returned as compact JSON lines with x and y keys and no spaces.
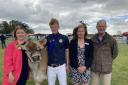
{"x":17,"y":28}
{"x":82,"y":25}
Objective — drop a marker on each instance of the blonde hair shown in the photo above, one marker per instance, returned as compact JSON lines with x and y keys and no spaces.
{"x":53,"y":21}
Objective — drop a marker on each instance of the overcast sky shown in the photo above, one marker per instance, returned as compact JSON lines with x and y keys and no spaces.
{"x":37,"y":13}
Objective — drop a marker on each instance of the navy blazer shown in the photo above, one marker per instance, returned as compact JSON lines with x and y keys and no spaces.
{"x":73,"y":53}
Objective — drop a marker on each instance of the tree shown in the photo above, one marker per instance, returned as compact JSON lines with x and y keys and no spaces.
{"x":8,"y":28}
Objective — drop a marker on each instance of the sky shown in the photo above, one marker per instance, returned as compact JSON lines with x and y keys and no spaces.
{"x":37,"y":14}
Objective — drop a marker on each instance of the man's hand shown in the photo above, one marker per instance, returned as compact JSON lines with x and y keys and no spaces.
{"x":67,"y":60}
{"x":67,"y":69}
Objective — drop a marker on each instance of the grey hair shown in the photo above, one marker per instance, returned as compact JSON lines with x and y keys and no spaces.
{"x":102,"y":21}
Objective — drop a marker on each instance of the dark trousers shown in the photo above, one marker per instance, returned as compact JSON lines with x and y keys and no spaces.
{"x":3,"y":44}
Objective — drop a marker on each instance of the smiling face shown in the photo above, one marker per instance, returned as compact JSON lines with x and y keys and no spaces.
{"x":54,"y":25}
{"x":101,"y":27}
{"x":81,"y":32}
{"x":20,"y":34}
{"x":54,"y":28}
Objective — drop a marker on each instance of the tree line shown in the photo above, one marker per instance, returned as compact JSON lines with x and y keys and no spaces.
{"x":9,"y":27}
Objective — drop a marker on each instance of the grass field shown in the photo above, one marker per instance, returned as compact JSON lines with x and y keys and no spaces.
{"x":120,"y":68}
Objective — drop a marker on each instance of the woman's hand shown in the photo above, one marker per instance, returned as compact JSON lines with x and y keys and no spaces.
{"x":81,"y":69}
{"x":11,"y":78}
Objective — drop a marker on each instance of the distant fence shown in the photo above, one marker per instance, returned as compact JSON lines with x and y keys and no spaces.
{"x":121,"y":39}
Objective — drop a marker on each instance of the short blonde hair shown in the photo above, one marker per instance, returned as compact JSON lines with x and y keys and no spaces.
{"x":53,"y":21}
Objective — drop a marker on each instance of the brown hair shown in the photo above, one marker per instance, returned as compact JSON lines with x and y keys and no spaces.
{"x":53,"y":21}
{"x":17,"y":28}
{"x":76,"y":29}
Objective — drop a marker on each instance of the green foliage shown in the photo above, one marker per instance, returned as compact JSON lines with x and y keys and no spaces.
{"x":7,"y":28}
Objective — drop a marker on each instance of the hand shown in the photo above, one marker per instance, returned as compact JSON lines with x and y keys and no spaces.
{"x":81,"y":69}
{"x":11,"y":78}
{"x":43,"y":42}
{"x":67,"y":69}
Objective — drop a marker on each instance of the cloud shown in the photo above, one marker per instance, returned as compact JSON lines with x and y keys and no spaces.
{"x":37,"y":13}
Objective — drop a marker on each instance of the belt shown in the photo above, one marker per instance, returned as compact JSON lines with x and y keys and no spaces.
{"x":55,"y":65}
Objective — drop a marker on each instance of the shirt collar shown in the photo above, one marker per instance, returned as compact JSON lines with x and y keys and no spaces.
{"x":56,"y":34}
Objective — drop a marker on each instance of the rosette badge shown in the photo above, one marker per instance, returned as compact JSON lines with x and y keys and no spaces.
{"x":60,"y":41}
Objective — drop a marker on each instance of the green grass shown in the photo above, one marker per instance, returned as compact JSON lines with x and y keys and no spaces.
{"x":120,"y":68}
{"x":1,"y":65}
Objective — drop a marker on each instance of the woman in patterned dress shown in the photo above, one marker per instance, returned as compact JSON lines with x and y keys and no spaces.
{"x":80,"y":53}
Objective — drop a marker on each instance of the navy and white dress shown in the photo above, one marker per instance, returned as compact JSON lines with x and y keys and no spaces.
{"x":77,"y":77}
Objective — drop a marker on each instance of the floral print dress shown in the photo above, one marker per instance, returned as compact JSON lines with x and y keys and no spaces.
{"x":77,"y":77}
